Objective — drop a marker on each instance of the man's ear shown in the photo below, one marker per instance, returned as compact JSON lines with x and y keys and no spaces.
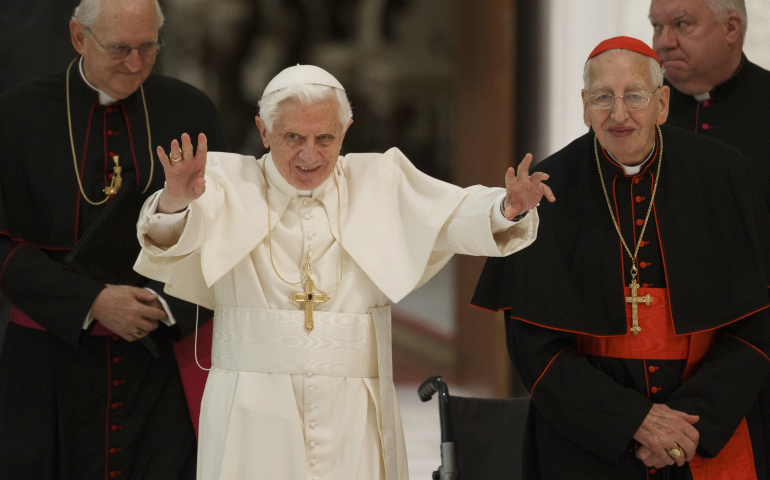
{"x":586,"y":118}
{"x":77,"y":35}
{"x":733,"y":25}
{"x":665,"y":95}
{"x":262,"y":131}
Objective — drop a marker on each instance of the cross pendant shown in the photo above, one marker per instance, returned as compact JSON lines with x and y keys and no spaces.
{"x":634,"y":300}
{"x":309,"y":298}
{"x":117,"y":180}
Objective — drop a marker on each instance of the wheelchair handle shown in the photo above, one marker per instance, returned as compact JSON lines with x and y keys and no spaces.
{"x":430,"y":386}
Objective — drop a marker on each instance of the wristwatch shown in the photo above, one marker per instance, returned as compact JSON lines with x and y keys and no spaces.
{"x":517,"y":218}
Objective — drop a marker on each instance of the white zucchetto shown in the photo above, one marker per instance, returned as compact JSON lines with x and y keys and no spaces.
{"x":301,"y":74}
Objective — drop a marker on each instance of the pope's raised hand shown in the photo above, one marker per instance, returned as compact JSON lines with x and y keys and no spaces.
{"x":524,"y":192}
{"x":185,"y":171}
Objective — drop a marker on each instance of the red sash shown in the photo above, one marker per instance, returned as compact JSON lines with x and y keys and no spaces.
{"x":193,"y":378}
{"x":658,"y":340}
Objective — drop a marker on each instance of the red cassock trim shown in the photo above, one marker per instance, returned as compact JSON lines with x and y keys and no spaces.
{"x":532,"y":392}
{"x":734,"y":462}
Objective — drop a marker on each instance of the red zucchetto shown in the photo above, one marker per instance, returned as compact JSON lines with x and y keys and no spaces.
{"x":625,"y":43}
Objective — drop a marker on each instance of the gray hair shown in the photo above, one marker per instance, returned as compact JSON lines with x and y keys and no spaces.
{"x":306,"y":94}
{"x":656,"y":71}
{"x":722,"y":8}
{"x":88,"y":11}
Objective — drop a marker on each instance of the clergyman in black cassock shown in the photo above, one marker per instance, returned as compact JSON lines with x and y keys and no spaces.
{"x":703,"y":339}
{"x":81,"y":403}
{"x":717,"y":92}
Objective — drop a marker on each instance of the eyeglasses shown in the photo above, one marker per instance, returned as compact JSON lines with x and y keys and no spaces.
{"x":119,"y":52}
{"x":635,"y":99}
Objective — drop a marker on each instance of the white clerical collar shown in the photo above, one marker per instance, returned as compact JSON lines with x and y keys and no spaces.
{"x":104,"y":99}
{"x":702,"y":97}
{"x":276,"y":178}
{"x":635,"y":169}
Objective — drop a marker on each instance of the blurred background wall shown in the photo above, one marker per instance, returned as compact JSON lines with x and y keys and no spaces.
{"x":464,"y":87}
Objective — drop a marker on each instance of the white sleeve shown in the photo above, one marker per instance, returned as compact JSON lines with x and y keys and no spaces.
{"x":165,"y":228}
{"x":498,"y":220}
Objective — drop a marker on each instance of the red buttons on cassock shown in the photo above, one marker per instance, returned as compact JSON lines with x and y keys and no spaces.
{"x":115,"y":428}
{"x":646,"y":285}
{"x":652,"y":471}
{"x":644,"y":264}
{"x":111,"y":133}
{"x":706,"y":103}
{"x":117,"y":359}
{"x":640,"y":222}
{"x":652,"y":369}
{"x":115,"y":338}
{"x":640,"y":199}
{"x":114,"y":450}
{"x":705,"y":126}
{"x":116,"y":383}
{"x":655,"y":389}
{"x":116,"y":405}
{"x":636,"y":181}
{"x":115,"y":473}
{"x":644,"y":243}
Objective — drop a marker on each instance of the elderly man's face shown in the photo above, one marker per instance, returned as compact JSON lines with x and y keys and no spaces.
{"x":692,"y":44}
{"x":130,"y":23}
{"x":305,"y":141}
{"x":627,"y":133}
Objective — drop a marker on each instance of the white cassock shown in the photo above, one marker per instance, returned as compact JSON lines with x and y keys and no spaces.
{"x":281,"y":403}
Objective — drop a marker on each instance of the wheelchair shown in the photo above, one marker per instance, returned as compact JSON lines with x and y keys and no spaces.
{"x":481,"y":439}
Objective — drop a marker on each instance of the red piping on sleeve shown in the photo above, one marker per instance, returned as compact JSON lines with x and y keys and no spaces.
{"x":2,"y":270}
{"x":747,"y":343}
{"x":532,"y":392}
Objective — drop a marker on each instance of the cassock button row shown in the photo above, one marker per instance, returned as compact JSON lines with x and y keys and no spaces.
{"x":115,"y":338}
{"x":655,"y":389}
{"x":652,"y":471}
{"x":640,"y":199}
{"x":646,"y":285}
{"x":117,"y":383}
{"x":640,"y":222}
{"x":117,"y":359}
{"x":116,"y":405}
{"x":644,"y":264}
{"x":111,"y":133}
{"x":653,"y":369}
{"x":115,"y":473}
{"x":115,"y":428}
{"x":637,"y":180}
{"x":115,"y":450}
{"x":706,"y":103}
{"x":705,"y":126}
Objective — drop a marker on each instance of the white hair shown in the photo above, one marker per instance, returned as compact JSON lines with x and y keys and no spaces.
{"x":306,"y":94}
{"x":656,"y":71}
{"x":722,"y":8}
{"x":88,"y":11}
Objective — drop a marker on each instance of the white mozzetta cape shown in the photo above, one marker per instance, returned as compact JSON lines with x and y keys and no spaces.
{"x":281,"y":403}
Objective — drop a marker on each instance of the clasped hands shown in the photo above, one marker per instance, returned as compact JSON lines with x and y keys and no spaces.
{"x":663,"y":430}
{"x":524,"y":192}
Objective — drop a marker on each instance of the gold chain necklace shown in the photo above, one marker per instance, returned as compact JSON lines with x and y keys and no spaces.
{"x":634,"y":300}
{"x":115,"y":185}
{"x":308,"y":297}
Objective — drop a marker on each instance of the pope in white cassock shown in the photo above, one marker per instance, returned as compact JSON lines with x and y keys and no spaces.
{"x":299,"y":253}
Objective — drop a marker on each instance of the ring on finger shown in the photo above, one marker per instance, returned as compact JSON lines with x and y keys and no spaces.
{"x":140,"y":334}
{"x":675,"y":453}
{"x":176,"y":159}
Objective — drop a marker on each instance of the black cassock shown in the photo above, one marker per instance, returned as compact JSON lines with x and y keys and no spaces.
{"x":737,"y":113}
{"x":75,"y":405}
{"x":706,"y":242}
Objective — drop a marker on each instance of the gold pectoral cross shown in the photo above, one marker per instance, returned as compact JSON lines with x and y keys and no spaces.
{"x":635,"y":300}
{"x":308,"y":297}
{"x":117,"y":180}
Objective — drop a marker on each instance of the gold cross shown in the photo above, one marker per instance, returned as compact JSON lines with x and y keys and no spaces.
{"x":117,"y":180}
{"x":634,"y":300}
{"x":309,"y":298}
